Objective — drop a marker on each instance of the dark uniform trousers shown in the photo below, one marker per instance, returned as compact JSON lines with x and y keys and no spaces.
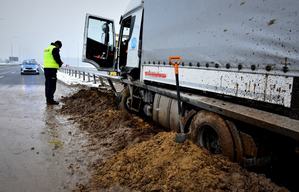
{"x":50,"y":83}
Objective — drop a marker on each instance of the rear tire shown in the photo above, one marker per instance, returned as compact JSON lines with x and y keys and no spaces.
{"x":210,"y":131}
{"x":125,"y":100}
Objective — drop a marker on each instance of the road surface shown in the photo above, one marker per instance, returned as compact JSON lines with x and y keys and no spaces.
{"x":35,"y":152}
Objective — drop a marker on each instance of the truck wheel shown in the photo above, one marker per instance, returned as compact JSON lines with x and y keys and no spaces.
{"x":125,"y":100}
{"x":210,"y":131}
{"x":237,"y":141}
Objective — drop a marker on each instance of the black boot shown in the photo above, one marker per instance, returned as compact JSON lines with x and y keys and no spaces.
{"x":52,"y":102}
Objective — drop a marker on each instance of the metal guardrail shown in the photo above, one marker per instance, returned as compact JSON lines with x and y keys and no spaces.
{"x":90,"y":75}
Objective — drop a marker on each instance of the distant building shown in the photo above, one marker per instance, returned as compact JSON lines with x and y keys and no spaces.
{"x":13,"y":59}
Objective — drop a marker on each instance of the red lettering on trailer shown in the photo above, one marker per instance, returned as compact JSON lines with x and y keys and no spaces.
{"x":154,"y":74}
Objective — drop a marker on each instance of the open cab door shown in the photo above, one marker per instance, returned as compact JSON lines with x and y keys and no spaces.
{"x":99,"y":43}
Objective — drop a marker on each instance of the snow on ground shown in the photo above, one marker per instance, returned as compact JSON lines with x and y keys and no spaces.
{"x":72,"y":80}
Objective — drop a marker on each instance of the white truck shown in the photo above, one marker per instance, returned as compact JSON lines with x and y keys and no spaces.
{"x":238,"y":76}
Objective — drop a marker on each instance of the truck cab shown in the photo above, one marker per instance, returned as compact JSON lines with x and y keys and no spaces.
{"x":111,"y":52}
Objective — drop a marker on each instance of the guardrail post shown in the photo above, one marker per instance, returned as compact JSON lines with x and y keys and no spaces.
{"x":76,"y":73}
{"x":79,"y":74}
{"x":69,"y":72}
{"x":102,"y":82}
{"x":94,"y":79}
{"x":88,"y":76}
{"x":83,"y":76}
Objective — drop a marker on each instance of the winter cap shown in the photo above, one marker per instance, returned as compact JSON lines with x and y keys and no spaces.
{"x":58,"y":43}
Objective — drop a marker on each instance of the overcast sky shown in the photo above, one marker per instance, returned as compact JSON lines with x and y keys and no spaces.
{"x":28,"y":26}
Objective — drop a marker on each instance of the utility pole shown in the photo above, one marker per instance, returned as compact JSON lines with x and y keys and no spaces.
{"x":11,"y":48}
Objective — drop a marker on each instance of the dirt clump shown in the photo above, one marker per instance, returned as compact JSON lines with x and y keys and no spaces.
{"x":135,"y":156}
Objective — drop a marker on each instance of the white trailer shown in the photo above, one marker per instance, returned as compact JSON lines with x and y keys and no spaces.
{"x":239,"y":73}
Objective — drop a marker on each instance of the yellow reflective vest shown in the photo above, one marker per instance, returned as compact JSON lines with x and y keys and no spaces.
{"x":49,"y":61}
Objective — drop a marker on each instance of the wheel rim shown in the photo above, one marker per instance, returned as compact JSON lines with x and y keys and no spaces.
{"x":209,"y":139}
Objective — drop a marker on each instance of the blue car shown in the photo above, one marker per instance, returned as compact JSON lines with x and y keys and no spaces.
{"x":29,"y":67}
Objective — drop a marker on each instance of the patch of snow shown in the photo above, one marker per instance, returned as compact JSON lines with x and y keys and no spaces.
{"x":72,"y":80}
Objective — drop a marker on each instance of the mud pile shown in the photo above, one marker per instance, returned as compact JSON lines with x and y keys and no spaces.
{"x":135,"y":157}
{"x":110,"y":129}
{"x":160,"y":164}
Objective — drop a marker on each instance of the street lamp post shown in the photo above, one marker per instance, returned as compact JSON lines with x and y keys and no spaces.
{"x":12,"y":47}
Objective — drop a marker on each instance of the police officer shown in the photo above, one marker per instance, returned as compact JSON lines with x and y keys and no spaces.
{"x":52,"y":62}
